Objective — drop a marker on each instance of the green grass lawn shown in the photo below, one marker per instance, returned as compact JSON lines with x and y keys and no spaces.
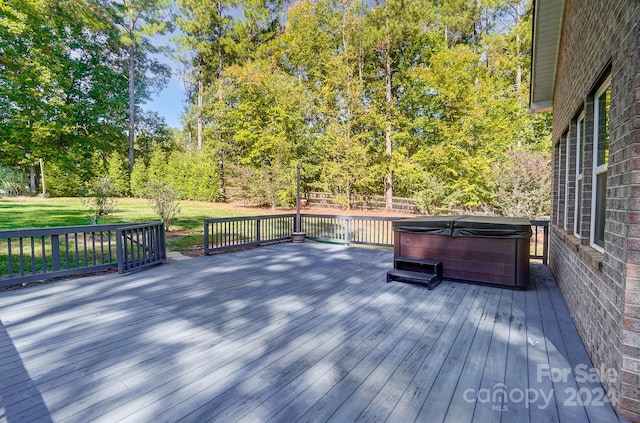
{"x":185,"y":234}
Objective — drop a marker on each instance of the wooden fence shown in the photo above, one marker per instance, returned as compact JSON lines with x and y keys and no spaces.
{"x":361,"y":202}
{"x":28,"y":255}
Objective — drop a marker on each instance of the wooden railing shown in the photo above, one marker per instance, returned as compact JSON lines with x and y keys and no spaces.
{"x":28,"y":255}
{"x":363,"y":230}
{"x":238,"y":232}
{"x":140,"y":246}
{"x":540,"y":240}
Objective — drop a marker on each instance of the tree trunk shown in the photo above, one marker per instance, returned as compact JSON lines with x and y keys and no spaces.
{"x":132,"y":104}
{"x":518,"y":42}
{"x":388,"y":183}
{"x":223,"y":187}
{"x":44,"y":185}
{"x":200,"y":95}
{"x":32,"y":178}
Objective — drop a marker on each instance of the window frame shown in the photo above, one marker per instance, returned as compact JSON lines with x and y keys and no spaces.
{"x":599,"y":169}
{"x":560,"y":199}
{"x":567,"y":185}
{"x":580,"y":143}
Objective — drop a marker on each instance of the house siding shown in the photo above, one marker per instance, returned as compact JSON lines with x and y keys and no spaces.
{"x":602,"y":290}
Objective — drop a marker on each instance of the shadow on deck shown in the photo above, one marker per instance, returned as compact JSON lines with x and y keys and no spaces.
{"x":292,"y":332}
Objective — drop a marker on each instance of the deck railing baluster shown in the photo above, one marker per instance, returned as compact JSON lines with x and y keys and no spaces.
{"x":66,"y":251}
{"x":9,"y":258}
{"x":21,"y":257}
{"x":33,"y":255}
{"x":44,"y":254}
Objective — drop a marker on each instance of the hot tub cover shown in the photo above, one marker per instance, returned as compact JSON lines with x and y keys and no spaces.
{"x":467,"y":226}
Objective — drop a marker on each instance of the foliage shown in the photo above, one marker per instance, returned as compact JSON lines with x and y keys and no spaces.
{"x":522,"y":185}
{"x":403,"y":97}
{"x":12,"y":182}
{"x":162,"y":198}
{"x":434,"y":197}
{"x":194,"y":174}
{"x":99,"y":200}
{"x":270,"y":187}
{"x":139,"y":179}
{"x":64,"y":179}
{"x":118,"y":174}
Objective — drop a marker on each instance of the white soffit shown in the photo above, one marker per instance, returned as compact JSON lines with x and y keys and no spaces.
{"x":547,"y":24}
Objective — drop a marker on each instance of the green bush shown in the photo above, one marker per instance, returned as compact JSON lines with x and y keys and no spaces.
{"x":163,"y":201}
{"x":118,"y":172}
{"x":194,"y":175}
{"x":139,"y":179}
{"x":434,"y":197}
{"x":99,"y":200}
{"x":63,"y":181}
{"x":522,"y":185}
{"x":12,"y":182}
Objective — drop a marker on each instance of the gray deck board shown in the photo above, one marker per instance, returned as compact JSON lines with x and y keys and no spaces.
{"x":290,"y":332}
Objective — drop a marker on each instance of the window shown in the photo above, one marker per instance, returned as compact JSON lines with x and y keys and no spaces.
{"x":561,"y":200}
{"x":579,"y":175}
{"x":559,"y":185}
{"x":567,"y":187}
{"x":601,"y":116}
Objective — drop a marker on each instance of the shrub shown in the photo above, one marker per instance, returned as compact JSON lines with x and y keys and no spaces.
{"x":12,"y":182}
{"x":163,"y":201}
{"x":139,"y":180}
{"x":65,"y":180}
{"x":99,"y":200}
{"x":522,"y":185}
{"x":434,"y":196}
{"x":118,"y":172}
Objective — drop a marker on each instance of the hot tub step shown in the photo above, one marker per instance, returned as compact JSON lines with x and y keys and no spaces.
{"x":419,"y":278}
{"x":420,"y":265}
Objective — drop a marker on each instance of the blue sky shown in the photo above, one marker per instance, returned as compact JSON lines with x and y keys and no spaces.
{"x":170,"y":102}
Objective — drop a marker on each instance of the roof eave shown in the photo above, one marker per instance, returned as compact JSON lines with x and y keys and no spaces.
{"x":547,"y":26}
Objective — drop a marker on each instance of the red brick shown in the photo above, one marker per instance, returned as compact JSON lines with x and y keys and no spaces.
{"x":629,"y":409}
{"x":630,"y":378}
{"x":632,"y":324}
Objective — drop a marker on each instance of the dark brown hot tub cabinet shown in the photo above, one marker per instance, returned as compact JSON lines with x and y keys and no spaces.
{"x":482,"y":249}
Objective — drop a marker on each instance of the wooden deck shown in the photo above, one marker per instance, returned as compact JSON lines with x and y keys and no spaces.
{"x":290,"y":332}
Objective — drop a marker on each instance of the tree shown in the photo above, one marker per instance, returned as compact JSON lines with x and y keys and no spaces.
{"x":136,"y":20}
{"x":60,"y":87}
{"x":522,"y":184}
{"x":392,"y":23}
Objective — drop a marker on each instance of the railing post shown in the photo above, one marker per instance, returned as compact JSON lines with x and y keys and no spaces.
{"x":162,"y":243}
{"x":347,"y":229}
{"x":258,"y":230}
{"x":55,"y":253}
{"x":119,"y":250}
{"x":545,"y":244}
{"x":206,"y":237}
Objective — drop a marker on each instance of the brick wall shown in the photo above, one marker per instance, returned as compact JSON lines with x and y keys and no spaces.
{"x":602,"y":290}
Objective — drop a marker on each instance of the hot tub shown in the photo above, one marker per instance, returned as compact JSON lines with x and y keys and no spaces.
{"x":483,"y":249}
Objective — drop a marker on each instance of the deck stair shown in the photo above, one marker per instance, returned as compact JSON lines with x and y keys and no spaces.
{"x":416,"y":271}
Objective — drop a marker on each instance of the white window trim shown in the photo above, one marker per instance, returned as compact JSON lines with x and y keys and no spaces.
{"x":567,"y":156}
{"x":559,"y":200}
{"x":597,"y":169}
{"x":577,"y":232}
